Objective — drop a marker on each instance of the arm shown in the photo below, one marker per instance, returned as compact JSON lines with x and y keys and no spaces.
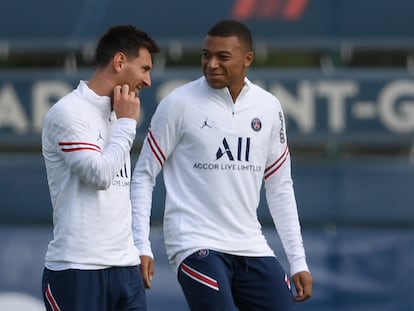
{"x":142,"y":186}
{"x":282,"y":205}
{"x":157,"y":146}
{"x":94,"y":166}
{"x":68,"y":130}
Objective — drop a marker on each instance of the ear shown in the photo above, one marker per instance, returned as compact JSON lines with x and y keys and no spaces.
{"x":119,"y":61}
{"x":248,"y":59}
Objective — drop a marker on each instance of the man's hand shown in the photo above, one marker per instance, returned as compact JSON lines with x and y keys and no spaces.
{"x":126,"y":104}
{"x":303,"y":283}
{"x":147,"y":270}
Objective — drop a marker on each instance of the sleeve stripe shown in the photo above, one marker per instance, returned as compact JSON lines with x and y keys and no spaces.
{"x":76,"y":146}
{"x":156,"y":149}
{"x":274,"y":167}
{"x":77,"y":149}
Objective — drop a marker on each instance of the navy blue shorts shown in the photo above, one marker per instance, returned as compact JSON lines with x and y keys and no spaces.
{"x":214,"y":281}
{"x":112,"y":289}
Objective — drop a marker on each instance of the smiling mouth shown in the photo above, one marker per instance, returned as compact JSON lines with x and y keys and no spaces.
{"x":213,"y":75}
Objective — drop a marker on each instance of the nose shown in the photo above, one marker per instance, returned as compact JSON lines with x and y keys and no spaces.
{"x":212,"y":62}
{"x":147,"y":79}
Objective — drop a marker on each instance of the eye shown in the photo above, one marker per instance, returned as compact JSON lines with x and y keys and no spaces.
{"x":205,"y":55}
{"x":224,"y":56}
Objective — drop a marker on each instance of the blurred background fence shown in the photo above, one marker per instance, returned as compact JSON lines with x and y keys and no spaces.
{"x":343,"y":71}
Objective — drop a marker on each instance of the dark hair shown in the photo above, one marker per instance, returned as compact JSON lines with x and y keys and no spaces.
{"x":228,"y":28}
{"x":123,"y":38}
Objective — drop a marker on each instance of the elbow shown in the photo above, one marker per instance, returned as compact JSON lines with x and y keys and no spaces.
{"x":102,"y":178}
{"x":97,"y":184}
{"x":103,"y":183}
{"x":103,"y":186}
{"x":100,"y":183}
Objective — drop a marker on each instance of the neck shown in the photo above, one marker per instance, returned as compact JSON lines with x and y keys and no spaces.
{"x":235,"y":91}
{"x":101,"y":84}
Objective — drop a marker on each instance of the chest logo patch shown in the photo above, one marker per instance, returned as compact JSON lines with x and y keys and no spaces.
{"x":256,"y":124}
{"x":100,"y":137}
{"x":205,"y":124}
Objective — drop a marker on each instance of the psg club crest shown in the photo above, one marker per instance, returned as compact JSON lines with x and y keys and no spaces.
{"x":203,"y":253}
{"x":256,"y":124}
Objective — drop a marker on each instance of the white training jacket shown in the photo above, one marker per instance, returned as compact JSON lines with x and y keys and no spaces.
{"x":87,"y":157}
{"x":215,"y":154}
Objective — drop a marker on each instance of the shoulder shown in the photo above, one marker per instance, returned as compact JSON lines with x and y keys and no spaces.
{"x":182,"y":95}
{"x":263,"y":96}
{"x":65,"y":109}
{"x":191,"y":88}
{"x":260,"y":91}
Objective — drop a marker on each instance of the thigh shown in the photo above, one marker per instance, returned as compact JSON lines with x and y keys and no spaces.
{"x":205,"y":278}
{"x":73,"y":289}
{"x":132,"y":289}
{"x":260,"y":283}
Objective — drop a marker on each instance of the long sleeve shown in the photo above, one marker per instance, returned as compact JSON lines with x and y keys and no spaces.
{"x":158,"y":144}
{"x":142,"y":186}
{"x":95,"y":166}
{"x":281,"y":200}
{"x":282,"y":204}
{"x":94,"y":148}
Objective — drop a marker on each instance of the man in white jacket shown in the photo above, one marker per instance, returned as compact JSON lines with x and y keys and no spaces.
{"x":217,"y":138}
{"x":92,"y":263}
